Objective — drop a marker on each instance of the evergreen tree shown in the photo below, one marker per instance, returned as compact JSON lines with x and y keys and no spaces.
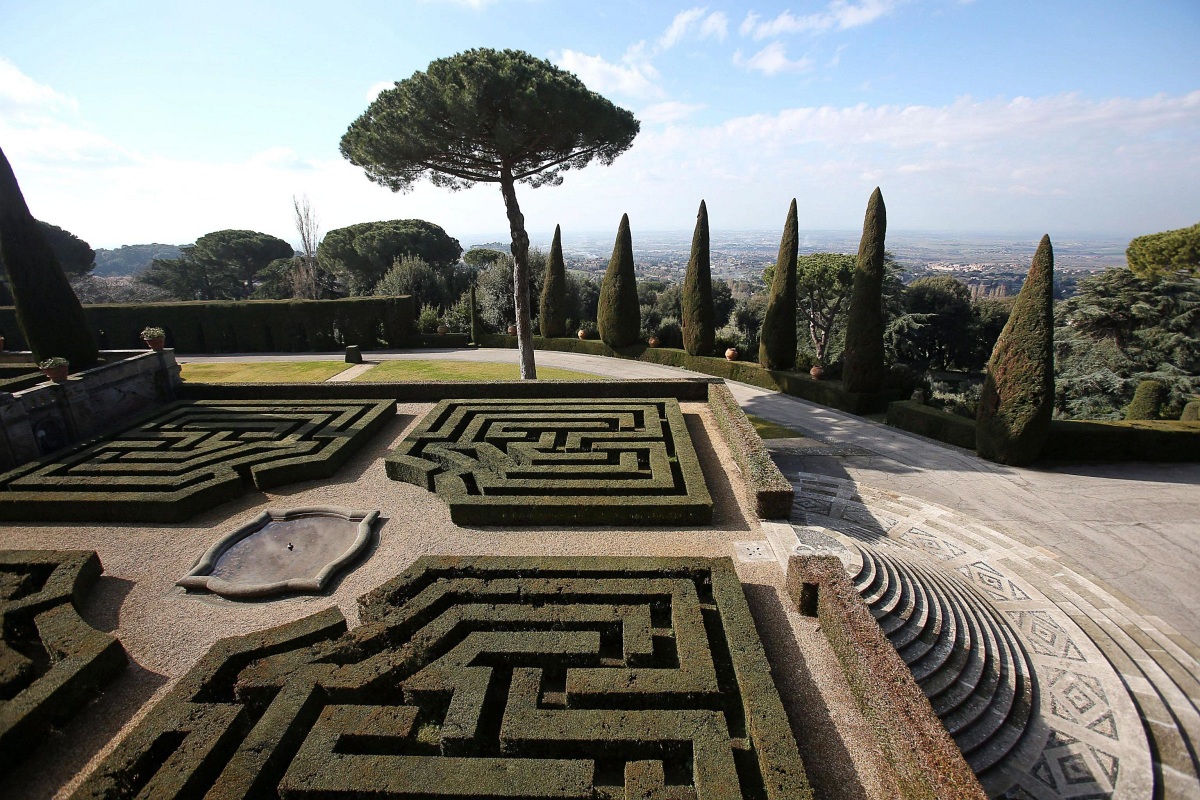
{"x":863,"y":368}
{"x":553,"y":311}
{"x":476,"y":329}
{"x":777,"y":343}
{"x":618,"y":316}
{"x":1147,"y":400}
{"x":48,"y":312}
{"x":1017,"y":399}
{"x":699,"y":329}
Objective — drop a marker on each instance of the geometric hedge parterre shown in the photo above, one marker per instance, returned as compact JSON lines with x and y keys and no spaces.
{"x":487,"y":677}
{"x":191,"y":456}
{"x":51,"y":661}
{"x":561,"y":461}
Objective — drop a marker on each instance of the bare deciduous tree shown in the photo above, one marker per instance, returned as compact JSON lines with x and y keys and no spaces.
{"x":304,"y":271}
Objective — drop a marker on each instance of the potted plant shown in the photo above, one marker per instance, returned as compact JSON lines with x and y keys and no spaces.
{"x":154,"y":337}
{"x":55,"y":368}
{"x":512,"y":330}
{"x":443,"y":330}
{"x":731,"y":354}
{"x":817,"y":371}
{"x":653,"y":340}
{"x":584,"y":333}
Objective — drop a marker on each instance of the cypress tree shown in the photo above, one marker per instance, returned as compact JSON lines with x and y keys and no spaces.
{"x":618,"y":316}
{"x":1147,"y":400}
{"x":862,"y":370}
{"x":476,"y":330}
{"x":777,"y":344}
{"x":48,"y":312}
{"x":699,"y":330}
{"x":553,"y":311}
{"x":1017,"y":400}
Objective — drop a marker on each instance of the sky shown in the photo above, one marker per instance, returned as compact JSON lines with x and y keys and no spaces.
{"x":134,"y":122}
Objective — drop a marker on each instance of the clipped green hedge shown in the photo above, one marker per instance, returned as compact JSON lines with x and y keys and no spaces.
{"x":247,"y":326}
{"x":797,"y":384}
{"x":39,"y":593}
{"x":923,"y":758}
{"x":686,"y":389}
{"x":1069,"y":440}
{"x":914,"y":417}
{"x":773,"y":493}
{"x":309,"y":709}
{"x":15,"y":377}
{"x":165,"y":467}
{"x":557,"y":462}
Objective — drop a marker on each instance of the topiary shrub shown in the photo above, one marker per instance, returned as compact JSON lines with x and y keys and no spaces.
{"x":777,"y":344}
{"x":1147,"y":400}
{"x":618,"y":316}
{"x":1191,"y":412}
{"x":698,"y":323}
{"x":863,"y":357}
{"x":48,"y":312}
{"x":1017,"y":400}
{"x":552,"y":313}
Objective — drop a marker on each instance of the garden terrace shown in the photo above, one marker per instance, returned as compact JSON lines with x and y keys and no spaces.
{"x":541,"y":462}
{"x":484,"y":677}
{"x":185,"y":459}
{"x":51,"y":661}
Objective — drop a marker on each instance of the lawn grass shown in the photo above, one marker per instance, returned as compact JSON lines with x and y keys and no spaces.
{"x":262,"y":371}
{"x":422,"y":370}
{"x":770,"y":430}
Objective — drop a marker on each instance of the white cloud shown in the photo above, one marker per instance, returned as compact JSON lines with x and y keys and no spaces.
{"x":635,"y":78}
{"x":22,"y":95}
{"x":715,"y":25}
{"x":669,"y":111}
{"x":772,"y":60}
{"x":375,"y":88}
{"x":838,"y":15}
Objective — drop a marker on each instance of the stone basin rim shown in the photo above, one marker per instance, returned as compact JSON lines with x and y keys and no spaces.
{"x":199,"y":578}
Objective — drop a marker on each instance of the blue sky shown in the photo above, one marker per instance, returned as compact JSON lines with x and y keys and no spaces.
{"x":132,"y":122}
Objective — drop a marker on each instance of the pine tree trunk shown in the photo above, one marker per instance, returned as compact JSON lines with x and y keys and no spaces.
{"x":520,"y":252}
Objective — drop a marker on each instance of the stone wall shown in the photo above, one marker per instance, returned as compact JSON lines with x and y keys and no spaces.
{"x":41,"y":419}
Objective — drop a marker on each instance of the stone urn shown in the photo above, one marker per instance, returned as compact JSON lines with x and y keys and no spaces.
{"x":731,"y":354}
{"x":442,"y":330}
{"x":583,"y":334}
{"x":652,"y":341}
{"x":512,"y":330}
{"x":817,"y":372}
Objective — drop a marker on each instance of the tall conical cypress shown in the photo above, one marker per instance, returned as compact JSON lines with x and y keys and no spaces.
{"x":552,"y":314}
{"x":476,"y":329}
{"x":1017,"y":400}
{"x":777,"y":344}
{"x":618,"y":316}
{"x":48,"y":312}
{"x":862,"y":369}
{"x":699,"y":330}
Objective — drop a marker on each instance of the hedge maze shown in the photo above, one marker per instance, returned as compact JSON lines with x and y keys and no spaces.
{"x":189,"y":457}
{"x":484,"y":678}
{"x":557,"y":461}
{"x":51,"y":661}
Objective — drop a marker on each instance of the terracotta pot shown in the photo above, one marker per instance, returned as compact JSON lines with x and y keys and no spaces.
{"x":56,"y":374}
{"x":731,"y":354}
{"x":652,"y":341}
{"x":443,"y":330}
{"x":817,"y":372}
{"x":583,"y":334}
{"x":156,"y":343}
{"x":512,"y":330}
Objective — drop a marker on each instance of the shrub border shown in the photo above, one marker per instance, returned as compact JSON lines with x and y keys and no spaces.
{"x":773,"y":493}
{"x":1069,"y":440}
{"x":924,"y":760}
{"x":797,"y":384}
{"x":83,"y":659}
{"x":684,"y":390}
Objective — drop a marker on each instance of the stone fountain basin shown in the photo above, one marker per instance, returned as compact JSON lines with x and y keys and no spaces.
{"x":278,"y":552}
